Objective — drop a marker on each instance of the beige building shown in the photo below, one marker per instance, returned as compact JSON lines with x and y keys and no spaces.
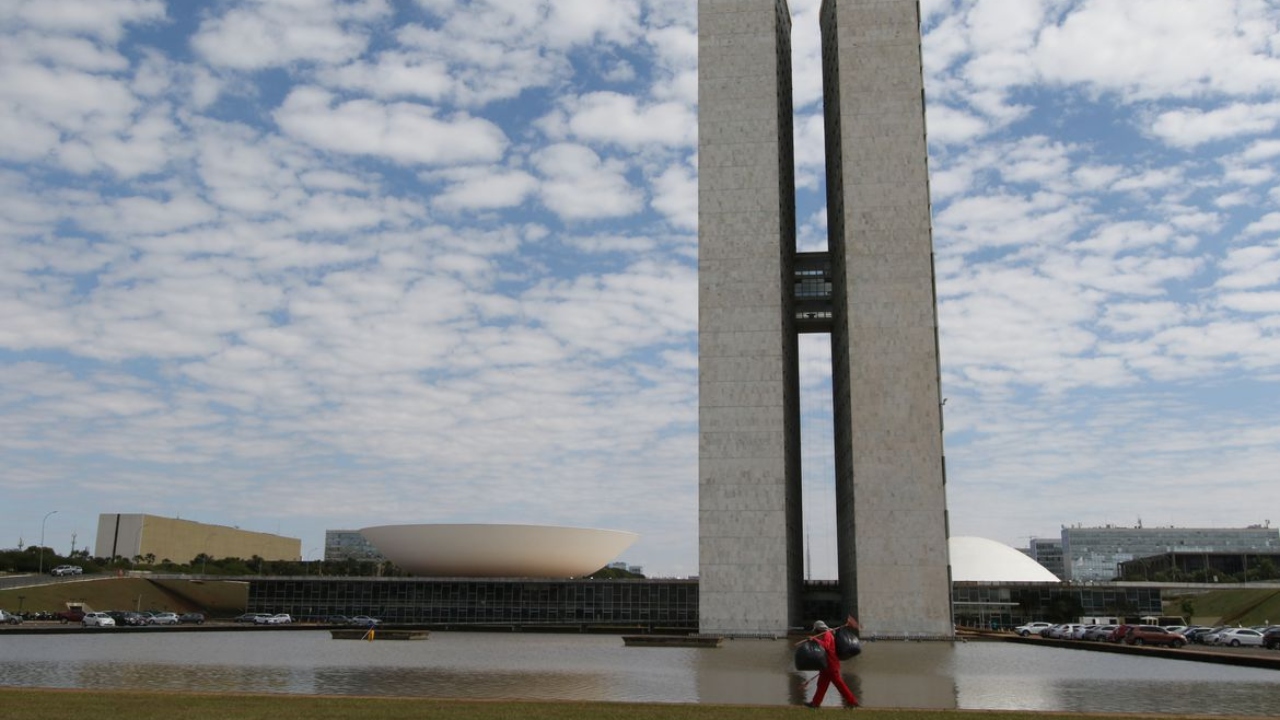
{"x":131,"y":535}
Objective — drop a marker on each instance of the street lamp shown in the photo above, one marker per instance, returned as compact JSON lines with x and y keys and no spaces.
{"x":42,"y":522}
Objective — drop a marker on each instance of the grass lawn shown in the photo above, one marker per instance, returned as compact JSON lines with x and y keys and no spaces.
{"x":125,"y":593}
{"x":39,"y":704}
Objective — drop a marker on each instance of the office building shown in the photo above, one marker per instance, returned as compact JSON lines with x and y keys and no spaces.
{"x":1048,"y":552}
{"x":872,"y":292}
{"x":349,"y":545}
{"x":1092,"y":554}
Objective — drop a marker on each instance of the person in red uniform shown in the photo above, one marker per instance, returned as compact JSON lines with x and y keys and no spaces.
{"x":830,"y":675}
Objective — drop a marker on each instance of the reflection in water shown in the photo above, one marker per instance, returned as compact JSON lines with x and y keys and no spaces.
{"x":588,"y":667}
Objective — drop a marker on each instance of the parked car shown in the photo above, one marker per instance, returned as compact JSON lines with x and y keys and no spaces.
{"x":8,"y":618}
{"x":97,"y":619}
{"x":1211,"y":637}
{"x":1235,"y":637}
{"x":1064,"y":631}
{"x":164,"y":618}
{"x":70,"y":615}
{"x":1098,"y":633}
{"x":277,"y":619}
{"x":365,"y":621}
{"x":1078,"y":633}
{"x":337,"y":620}
{"x":1271,"y":638}
{"x":1196,"y":633}
{"x":191,"y":618}
{"x":248,"y":617}
{"x":133,"y":619}
{"x":62,"y":570}
{"x":1154,"y":635}
{"x":1032,"y":628}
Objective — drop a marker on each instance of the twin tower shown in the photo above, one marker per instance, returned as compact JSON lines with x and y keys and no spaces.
{"x":872,"y":292}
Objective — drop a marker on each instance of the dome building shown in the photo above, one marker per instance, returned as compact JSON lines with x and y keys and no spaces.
{"x":976,"y":559}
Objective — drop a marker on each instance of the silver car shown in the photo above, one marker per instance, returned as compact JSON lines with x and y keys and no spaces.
{"x":98,"y":619}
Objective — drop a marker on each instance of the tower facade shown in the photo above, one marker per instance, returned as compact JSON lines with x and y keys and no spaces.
{"x":879,"y":307}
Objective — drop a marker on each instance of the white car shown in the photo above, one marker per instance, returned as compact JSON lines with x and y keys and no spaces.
{"x":1235,"y":637}
{"x":1032,"y":628}
{"x":1079,"y":632}
{"x":279,"y":619}
{"x":164,"y":618}
{"x":63,"y":570}
{"x":1065,"y":631}
{"x":1098,"y":632}
{"x":98,"y":619}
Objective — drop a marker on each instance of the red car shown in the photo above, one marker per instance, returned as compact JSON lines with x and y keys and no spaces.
{"x":1154,"y":635}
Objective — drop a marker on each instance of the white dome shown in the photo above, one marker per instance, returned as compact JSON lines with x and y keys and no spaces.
{"x":482,"y":550}
{"x":975,"y":559}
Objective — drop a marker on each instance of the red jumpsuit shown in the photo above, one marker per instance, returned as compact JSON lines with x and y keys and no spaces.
{"x":831,"y":674}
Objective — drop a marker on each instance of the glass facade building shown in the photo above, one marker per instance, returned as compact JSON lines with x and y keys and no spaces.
{"x":349,"y":545}
{"x":1048,"y":552}
{"x":1094,"y":554}
{"x":563,"y":604}
{"x":992,"y":604}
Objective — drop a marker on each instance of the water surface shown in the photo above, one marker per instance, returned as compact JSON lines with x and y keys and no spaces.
{"x":977,"y":675}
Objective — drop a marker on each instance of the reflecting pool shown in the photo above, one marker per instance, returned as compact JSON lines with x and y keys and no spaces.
{"x":974,"y":675}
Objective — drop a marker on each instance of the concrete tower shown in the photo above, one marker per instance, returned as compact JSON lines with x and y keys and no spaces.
{"x":872,"y":292}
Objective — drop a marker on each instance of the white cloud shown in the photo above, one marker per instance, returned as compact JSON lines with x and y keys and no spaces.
{"x":1189,"y":128}
{"x":1138,"y":48}
{"x":105,"y":19}
{"x":394,"y":75}
{"x":675,"y":193}
{"x":579,"y":185}
{"x":1265,"y":225}
{"x":484,"y":188}
{"x":614,"y":118}
{"x":403,"y":132}
{"x":264,"y":34}
{"x":948,"y":125}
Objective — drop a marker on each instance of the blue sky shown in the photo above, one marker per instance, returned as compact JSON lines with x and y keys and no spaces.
{"x":308,"y":264}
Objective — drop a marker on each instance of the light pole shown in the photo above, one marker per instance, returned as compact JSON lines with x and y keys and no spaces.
{"x":42,"y":522}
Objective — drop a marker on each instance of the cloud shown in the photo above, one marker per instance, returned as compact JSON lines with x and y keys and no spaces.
{"x":676,"y":196}
{"x":484,"y":188}
{"x":579,"y":185}
{"x":1189,"y":128}
{"x":403,"y":132}
{"x":262,"y":34}
{"x":105,"y":19}
{"x":394,"y":75}
{"x":613,"y":118}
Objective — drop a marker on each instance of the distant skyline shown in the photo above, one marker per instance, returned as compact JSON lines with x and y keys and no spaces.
{"x":298,"y":265}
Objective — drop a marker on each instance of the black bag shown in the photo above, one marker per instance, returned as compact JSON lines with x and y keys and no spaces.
{"x":810,"y":656}
{"x":848,"y":645}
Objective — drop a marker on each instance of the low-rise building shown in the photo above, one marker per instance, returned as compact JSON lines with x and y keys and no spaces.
{"x":131,"y":535}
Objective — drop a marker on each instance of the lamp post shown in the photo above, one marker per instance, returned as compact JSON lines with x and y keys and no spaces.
{"x":42,"y":522}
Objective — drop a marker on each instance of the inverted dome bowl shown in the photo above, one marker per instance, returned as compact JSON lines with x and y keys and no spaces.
{"x":484,"y":550}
